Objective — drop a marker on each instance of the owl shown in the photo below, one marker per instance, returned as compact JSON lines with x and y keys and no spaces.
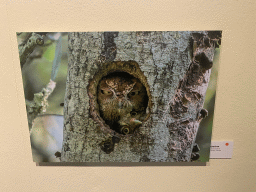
{"x":122,"y":101}
{"x":130,"y":121}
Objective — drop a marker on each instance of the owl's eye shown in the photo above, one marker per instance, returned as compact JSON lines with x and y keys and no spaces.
{"x":133,"y":113}
{"x":106,"y":92}
{"x":134,"y":93}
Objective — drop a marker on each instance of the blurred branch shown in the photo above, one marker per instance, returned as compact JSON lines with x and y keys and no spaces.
{"x":57,"y":59}
{"x":39,"y":103}
{"x":26,"y":48}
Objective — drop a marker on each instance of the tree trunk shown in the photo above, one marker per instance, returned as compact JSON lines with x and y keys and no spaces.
{"x":175,"y":69}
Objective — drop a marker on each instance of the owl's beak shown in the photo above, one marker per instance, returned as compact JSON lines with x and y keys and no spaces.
{"x":135,"y":121}
{"x":120,"y":105}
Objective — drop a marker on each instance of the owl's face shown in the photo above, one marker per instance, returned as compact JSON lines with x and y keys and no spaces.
{"x":119,"y":95}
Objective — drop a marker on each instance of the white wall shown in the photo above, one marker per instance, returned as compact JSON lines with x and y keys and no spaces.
{"x":235,"y":105}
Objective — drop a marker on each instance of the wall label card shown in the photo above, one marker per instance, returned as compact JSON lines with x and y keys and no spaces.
{"x":221,"y":149}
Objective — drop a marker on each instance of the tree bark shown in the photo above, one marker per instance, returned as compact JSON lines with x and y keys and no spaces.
{"x":174,"y":67}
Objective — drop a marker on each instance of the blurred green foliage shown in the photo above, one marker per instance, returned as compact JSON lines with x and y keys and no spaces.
{"x":50,"y":52}
{"x":36,"y":74}
{"x":205,"y":129}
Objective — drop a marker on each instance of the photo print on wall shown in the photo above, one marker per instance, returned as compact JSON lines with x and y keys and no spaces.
{"x":137,"y":96}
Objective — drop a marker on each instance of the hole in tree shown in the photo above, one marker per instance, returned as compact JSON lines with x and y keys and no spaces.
{"x":122,"y":101}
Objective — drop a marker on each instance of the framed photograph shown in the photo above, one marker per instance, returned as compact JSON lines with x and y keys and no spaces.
{"x":120,"y":96}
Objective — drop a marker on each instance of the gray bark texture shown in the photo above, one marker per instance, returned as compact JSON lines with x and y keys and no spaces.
{"x":174,"y":67}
